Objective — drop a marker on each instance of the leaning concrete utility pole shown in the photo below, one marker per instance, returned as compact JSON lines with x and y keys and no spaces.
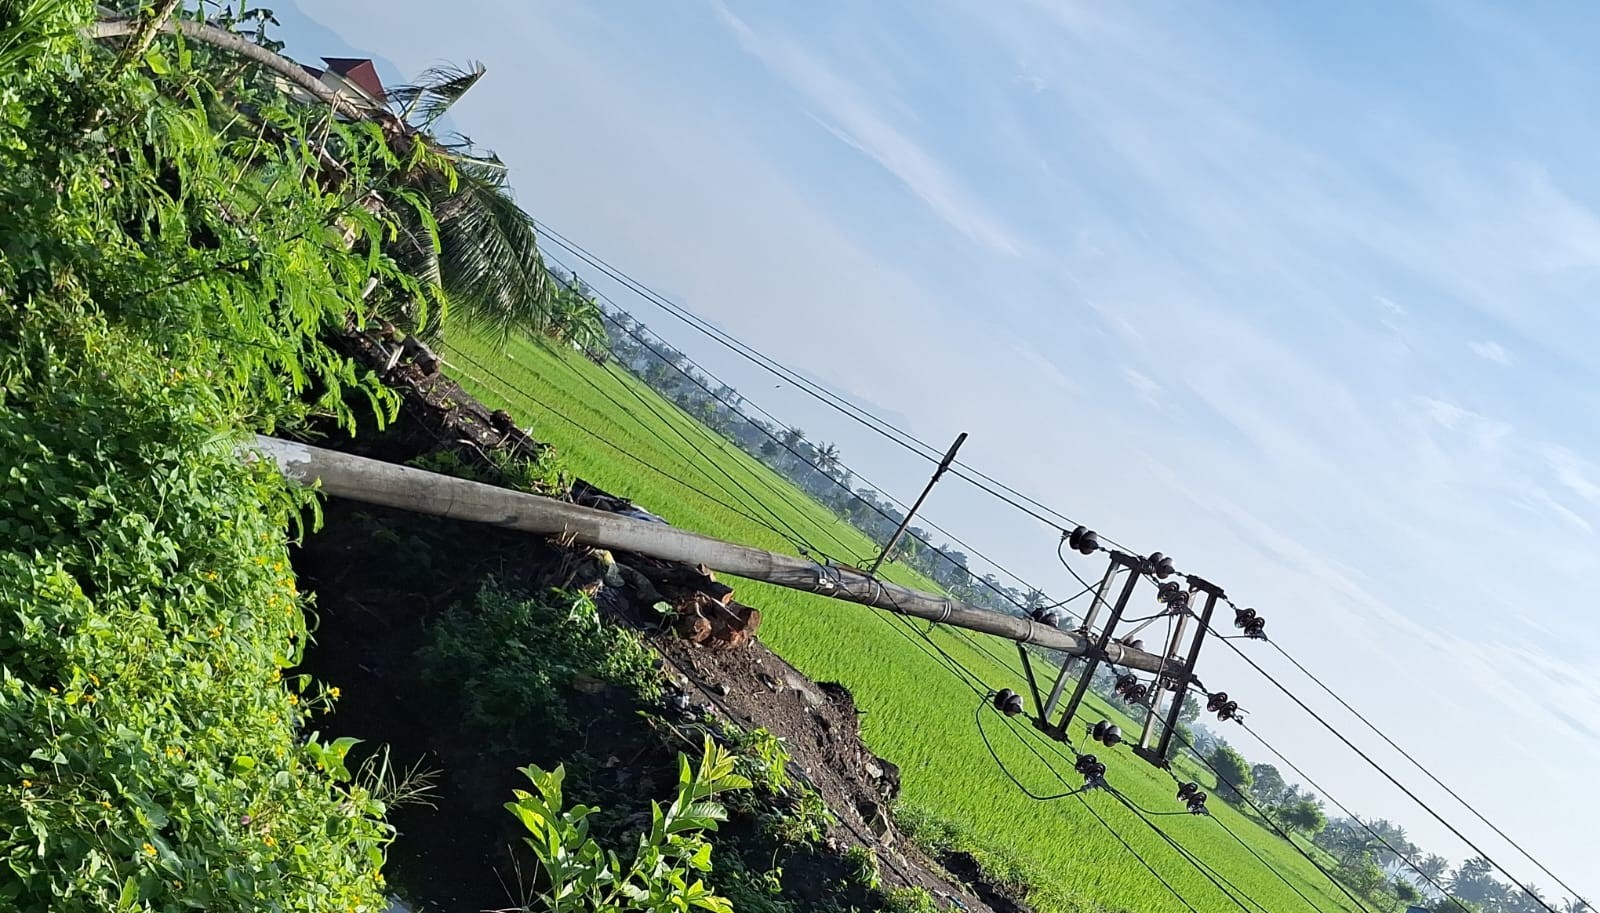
{"x":342,"y":475}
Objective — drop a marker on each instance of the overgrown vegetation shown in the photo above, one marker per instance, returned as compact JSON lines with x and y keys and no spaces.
{"x":508,"y":661}
{"x":169,"y":273}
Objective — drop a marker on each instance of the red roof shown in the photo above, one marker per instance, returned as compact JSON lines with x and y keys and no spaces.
{"x":361,"y":72}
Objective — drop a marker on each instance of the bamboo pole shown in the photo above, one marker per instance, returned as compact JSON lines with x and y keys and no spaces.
{"x":342,"y":475}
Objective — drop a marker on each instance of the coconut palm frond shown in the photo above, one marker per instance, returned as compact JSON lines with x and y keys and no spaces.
{"x":435,"y":92}
{"x":489,"y":259}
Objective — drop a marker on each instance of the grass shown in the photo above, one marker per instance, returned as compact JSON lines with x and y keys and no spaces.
{"x":618,"y":434}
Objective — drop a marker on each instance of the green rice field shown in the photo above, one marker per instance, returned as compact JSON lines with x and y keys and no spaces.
{"x":615,"y":432}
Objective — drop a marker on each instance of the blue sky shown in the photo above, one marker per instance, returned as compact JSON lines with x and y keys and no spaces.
{"x":1298,"y":293}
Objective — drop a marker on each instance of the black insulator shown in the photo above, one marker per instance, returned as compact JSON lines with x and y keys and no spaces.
{"x":1124,"y":682}
{"x":1215,"y":702}
{"x":1168,"y":591}
{"x":1136,"y":694}
{"x":1186,"y":790}
{"x":1242,"y":618}
{"x":1197,"y":803}
{"x":1052,"y":616}
{"x":1159,"y":565}
{"x":1083,"y":540}
{"x":1092,"y":770}
{"x":1008,"y":702}
{"x":1228,"y":711}
{"x":1107,"y":733}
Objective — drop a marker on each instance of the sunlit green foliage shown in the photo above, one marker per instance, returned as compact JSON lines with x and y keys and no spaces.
{"x":171,"y":267}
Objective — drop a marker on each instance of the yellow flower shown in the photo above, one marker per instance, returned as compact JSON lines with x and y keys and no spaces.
{"x":105,"y":805}
{"x":270,"y":840}
{"x":89,"y":698}
{"x":27,"y":784}
{"x":95,"y":679}
{"x":293,"y":700}
{"x":149,"y":850}
{"x":334,"y":692}
{"x":277,"y":674}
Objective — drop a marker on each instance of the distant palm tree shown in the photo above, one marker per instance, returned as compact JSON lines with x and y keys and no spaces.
{"x":1433,"y":866}
{"x":827,"y":459}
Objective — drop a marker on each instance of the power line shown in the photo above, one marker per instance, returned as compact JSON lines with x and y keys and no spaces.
{"x":1245,"y":797}
{"x":1204,"y":868}
{"x":1380,"y":769}
{"x":733,"y":407}
{"x":926,"y":451}
{"x":1426,"y":772}
{"x":698,"y":452}
{"x":1357,"y":819}
{"x":1216,"y":878}
{"x":713,"y":462}
{"x":507,"y":385}
{"x":861,"y":416}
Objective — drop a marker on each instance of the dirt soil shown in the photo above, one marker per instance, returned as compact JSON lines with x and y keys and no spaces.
{"x":819,"y":723}
{"x":380,"y":575}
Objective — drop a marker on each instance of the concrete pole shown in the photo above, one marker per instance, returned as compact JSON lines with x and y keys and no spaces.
{"x":374,"y":482}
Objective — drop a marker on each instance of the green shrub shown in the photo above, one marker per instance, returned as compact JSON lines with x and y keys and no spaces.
{"x":663,"y":874}
{"x":538,"y":474}
{"x":168,"y":278}
{"x":911,"y":900}
{"x":149,"y":756}
{"x":762,"y":758}
{"x":509,"y":660}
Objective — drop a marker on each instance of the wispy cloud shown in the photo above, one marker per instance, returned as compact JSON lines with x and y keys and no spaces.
{"x":1147,"y":389}
{"x":1492,"y":351}
{"x":848,"y":112}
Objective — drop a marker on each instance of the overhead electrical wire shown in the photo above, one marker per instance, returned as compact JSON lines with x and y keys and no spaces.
{"x":1357,"y":819}
{"x":1380,"y":769}
{"x":1022,"y":502}
{"x":1427,"y":773}
{"x":904,"y":439}
{"x":778,"y":440}
{"x":502,"y":386}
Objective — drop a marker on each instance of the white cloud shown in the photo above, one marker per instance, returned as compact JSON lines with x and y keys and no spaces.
{"x":1492,"y":351}
{"x":847,"y":112}
{"x":1147,"y":389}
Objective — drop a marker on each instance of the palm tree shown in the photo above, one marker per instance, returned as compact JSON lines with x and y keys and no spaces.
{"x":1433,"y":866}
{"x":485,"y":257}
{"x":827,"y":459}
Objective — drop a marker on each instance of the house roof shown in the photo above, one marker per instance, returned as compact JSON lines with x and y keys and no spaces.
{"x":361,"y":72}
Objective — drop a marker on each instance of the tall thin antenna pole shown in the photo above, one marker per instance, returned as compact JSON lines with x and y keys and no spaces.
{"x":943,"y":465}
